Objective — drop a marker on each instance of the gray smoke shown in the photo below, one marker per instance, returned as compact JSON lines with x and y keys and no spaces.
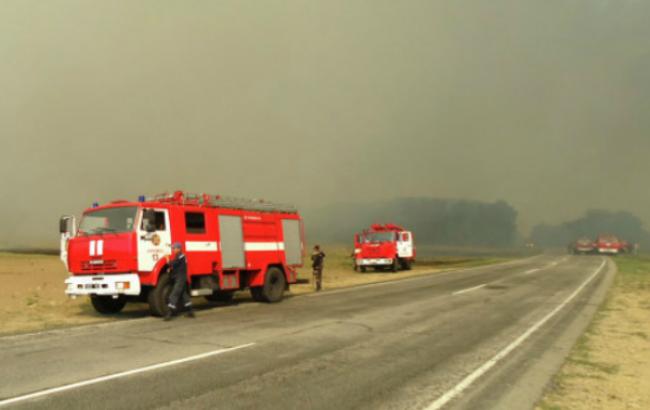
{"x":541,"y":104}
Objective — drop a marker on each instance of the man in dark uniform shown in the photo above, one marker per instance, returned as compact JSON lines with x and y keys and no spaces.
{"x":317,"y":258}
{"x":178,"y":274}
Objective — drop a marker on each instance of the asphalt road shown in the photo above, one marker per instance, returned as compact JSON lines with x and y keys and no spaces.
{"x":482,"y":338}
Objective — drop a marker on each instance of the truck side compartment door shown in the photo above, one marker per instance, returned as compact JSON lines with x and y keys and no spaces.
{"x":292,"y":241}
{"x":231,"y":235}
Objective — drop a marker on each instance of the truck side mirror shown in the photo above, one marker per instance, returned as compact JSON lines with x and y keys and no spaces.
{"x":63,"y":225}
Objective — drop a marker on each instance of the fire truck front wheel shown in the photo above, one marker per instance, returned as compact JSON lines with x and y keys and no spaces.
{"x":159,"y":296}
{"x":405,"y":264}
{"x":106,"y":305}
{"x":273,"y":288}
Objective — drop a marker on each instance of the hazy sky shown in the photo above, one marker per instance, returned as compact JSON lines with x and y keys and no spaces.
{"x":544,"y":104}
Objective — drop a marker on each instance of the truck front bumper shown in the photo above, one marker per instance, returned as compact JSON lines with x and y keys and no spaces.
{"x":611,"y":251}
{"x":106,"y":285}
{"x":374,"y":262}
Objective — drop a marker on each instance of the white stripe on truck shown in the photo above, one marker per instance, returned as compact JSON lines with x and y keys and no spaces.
{"x":263,"y":246}
{"x":197,"y":246}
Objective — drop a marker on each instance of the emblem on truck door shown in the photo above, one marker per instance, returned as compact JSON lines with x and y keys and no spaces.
{"x":155,"y":239}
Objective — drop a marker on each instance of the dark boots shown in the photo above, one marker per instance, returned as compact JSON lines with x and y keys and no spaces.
{"x":169,"y":315}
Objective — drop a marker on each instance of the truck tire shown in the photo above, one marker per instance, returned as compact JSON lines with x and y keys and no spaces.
{"x":219,"y":296}
{"x":406,"y":264}
{"x":106,"y":305}
{"x":362,"y":269}
{"x":394,"y":267}
{"x":159,"y":296}
{"x":273,"y":288}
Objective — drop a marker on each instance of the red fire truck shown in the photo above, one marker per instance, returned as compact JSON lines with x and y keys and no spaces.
{"x":116,"y":254}
{"x":608,"y":244}
{"x":384,"y":246}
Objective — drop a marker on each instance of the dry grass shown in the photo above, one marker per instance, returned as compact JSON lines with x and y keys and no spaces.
{"x":609,"y":368}
{"x":32,"y":298}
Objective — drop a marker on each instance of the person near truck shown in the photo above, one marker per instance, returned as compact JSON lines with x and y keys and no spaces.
{"x":179,"y":296}
{"x":317,"y":259}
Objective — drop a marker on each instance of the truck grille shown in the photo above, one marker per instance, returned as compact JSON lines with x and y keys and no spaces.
{"x":98,"y":265}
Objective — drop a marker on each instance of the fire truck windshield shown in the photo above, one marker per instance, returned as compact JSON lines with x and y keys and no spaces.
{"x":112,"y":220}
{"x":379,"y":237}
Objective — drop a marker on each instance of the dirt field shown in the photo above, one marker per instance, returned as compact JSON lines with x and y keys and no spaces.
{"x":609,"y":368}
{"x":32,"y":297}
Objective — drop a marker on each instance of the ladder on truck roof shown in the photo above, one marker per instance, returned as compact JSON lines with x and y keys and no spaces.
{"x":218,"y":201}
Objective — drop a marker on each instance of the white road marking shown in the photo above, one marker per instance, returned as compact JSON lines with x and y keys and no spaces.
{"x":354,"y":288}
{"x":421,"y":276}
{"x":550,"y":265}
{"x":458,"y":292}
{"x":471,"y":378}
{"x":114,"y":376}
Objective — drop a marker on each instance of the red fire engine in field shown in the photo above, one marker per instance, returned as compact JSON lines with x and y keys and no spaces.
{"x":116,"y":254}
{"x":384,"y":246}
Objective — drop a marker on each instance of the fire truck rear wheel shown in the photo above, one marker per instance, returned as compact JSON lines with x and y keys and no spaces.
{"x":273,"y":288}
{"x":106,"y":305}
{"x":159,"y":296}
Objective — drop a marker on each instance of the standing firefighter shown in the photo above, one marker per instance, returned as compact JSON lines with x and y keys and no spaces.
{"x":178,"y":274}
{"x":317,"y":257}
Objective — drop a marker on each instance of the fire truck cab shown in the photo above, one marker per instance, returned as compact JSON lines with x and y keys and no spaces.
{"x":384,"y":246}
{"x":117,"y":252}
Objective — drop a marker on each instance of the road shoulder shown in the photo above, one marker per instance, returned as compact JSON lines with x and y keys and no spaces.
{"x":609,"y":366}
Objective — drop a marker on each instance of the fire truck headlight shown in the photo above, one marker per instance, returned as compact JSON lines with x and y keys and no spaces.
{"x":123,"y":285}
{"x":357,"y":251}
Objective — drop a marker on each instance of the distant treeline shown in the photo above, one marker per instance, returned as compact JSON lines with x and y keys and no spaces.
{"x":433,"y":221}
{"x":622,"y":224}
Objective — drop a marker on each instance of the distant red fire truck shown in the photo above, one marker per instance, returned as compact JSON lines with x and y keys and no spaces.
{"x":609,"y":244}
{"x":384,"y":246}
{"x":116,"y":254}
